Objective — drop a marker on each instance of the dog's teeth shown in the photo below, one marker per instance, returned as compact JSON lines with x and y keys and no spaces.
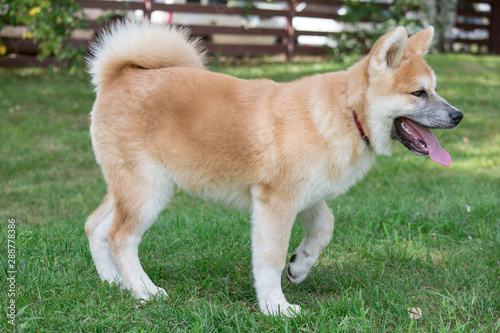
{"x":404,"y":128}
{"x":407,"y":130}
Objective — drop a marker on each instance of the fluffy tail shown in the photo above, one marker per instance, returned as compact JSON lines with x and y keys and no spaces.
{"x":142,"y":45}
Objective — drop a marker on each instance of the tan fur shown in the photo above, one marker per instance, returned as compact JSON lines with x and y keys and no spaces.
{"x":247,"y":133}
{"x":273,"y":149}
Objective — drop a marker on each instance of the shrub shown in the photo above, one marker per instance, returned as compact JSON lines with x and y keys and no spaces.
{"x":49,"y":24}
{"x":366,"y":22}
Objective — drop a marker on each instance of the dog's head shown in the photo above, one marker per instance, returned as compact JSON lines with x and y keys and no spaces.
{"x":401,"y":101}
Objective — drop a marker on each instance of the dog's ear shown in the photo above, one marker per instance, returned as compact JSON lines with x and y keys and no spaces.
{"x":421,"y":42}
{"x":390,"y":49}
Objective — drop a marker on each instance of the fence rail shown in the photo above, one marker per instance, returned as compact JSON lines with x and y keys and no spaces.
{"x":276,"y":32}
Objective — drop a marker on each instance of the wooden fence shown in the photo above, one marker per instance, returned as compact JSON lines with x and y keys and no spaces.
{"x":478,"y":25}
{"x":280,"y":37}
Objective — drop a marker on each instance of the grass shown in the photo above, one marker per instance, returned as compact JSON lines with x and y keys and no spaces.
{"x":411,"y":234}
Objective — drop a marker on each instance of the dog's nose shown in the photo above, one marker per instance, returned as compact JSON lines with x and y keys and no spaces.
{"x":457,"y":116}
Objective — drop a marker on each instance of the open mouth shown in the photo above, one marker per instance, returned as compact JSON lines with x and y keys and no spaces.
{"x":419,"y":140}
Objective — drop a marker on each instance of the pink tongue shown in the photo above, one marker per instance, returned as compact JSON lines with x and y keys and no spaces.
{"x":437,"y":153}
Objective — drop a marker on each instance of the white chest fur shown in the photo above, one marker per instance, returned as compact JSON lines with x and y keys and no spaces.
{"x":321,"y":187}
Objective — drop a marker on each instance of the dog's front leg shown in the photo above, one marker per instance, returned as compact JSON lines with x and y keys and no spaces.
{"x":273,"y":219}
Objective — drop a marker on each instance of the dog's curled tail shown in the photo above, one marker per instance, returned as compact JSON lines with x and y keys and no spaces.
{"x":143,"y":45}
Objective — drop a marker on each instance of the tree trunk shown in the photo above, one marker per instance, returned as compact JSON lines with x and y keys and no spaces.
{"x":441,"y":15}
{"x":447,"y":17}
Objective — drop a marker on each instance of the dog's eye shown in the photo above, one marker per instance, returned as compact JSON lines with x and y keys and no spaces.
{"x":419,"y":93}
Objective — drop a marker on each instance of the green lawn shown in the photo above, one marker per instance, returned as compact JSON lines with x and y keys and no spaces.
{"x":411,"y":234}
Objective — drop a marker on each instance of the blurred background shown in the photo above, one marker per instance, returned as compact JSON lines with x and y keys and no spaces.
{"x":49,"y":32}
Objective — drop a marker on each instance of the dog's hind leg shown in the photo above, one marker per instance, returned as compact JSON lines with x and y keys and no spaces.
{"x":140,"y":195}
{"x":318,"y":224}
{"x":96,"y":229}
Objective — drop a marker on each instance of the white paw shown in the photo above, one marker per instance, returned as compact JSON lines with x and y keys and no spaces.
{"x":298,"y":267}
{"x":147,"y":295}
{"x":161,"y":293}
{"x":280,"y":308}
{"x":111,"y":274}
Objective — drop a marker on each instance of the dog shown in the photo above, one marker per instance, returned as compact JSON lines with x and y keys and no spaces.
{"x":161,"y":121}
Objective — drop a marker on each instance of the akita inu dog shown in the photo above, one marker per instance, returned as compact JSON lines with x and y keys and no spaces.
{"x":277,"y":150}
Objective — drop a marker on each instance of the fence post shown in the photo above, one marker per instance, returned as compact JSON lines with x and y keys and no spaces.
{"x":289,"y":39}
{"x":148,"y":8}
{"x":494,"y":31}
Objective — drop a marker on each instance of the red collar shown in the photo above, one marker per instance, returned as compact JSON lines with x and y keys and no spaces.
{"x":365,"y":138}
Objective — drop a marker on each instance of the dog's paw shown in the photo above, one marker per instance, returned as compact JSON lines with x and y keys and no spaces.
{"x":298,"y":267}
{"x":147,"y":295}
{"x":161,"y":293}
{"x":280,"y":309}
{"x":112,"y":276}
